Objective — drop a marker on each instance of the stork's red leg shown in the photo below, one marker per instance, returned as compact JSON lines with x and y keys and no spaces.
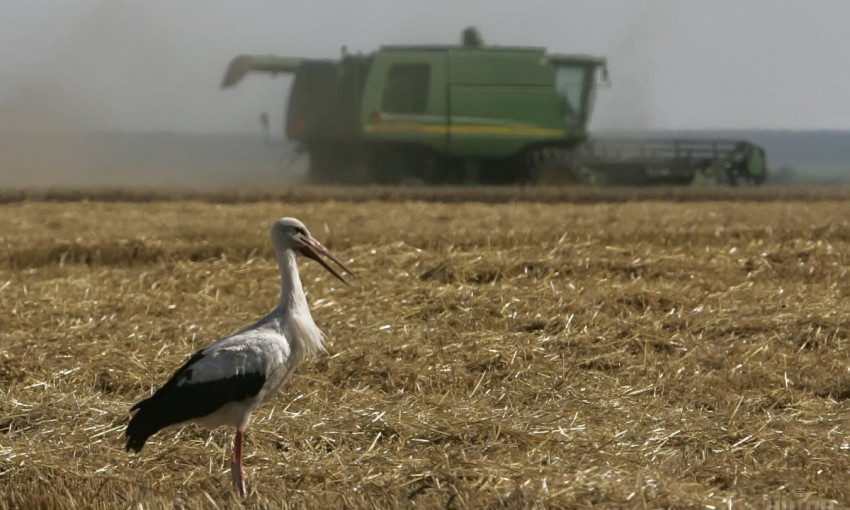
{"x":236,"y":464}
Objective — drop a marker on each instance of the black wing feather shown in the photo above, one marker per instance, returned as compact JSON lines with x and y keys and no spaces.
{"x":172,"y":404}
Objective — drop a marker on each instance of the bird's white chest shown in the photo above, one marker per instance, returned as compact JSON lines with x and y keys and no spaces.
{"x":303,"y":339}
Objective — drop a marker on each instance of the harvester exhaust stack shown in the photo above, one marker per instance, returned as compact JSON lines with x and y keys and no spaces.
{"x":471,"y":38}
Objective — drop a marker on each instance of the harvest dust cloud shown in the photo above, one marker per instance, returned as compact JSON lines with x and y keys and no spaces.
{"x":82,"y":118}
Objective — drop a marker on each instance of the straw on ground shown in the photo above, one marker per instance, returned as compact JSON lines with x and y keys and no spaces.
{"x":646,"y":353}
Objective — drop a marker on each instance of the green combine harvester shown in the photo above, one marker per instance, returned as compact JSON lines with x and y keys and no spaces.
{"x":475,"y":114}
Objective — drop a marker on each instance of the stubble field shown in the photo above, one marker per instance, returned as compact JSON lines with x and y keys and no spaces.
{"x":642,"y":354}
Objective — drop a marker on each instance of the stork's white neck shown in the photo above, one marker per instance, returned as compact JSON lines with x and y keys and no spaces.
{"x":293,"y":312}
{"x":291,"y":292}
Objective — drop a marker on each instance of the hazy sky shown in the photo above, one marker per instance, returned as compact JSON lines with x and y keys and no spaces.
{"x":157,"y":64}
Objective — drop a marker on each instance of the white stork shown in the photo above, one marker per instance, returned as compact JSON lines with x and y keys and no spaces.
{"x":223,"y":383}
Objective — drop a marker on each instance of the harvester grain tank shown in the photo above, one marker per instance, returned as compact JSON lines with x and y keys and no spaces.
{"x":443,"y":114}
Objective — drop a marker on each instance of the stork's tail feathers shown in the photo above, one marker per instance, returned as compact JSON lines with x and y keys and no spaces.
{"x":136,"y":442}
{"x":142,"y":425}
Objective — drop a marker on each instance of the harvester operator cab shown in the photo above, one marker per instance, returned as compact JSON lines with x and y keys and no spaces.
{"x":576,"y":82}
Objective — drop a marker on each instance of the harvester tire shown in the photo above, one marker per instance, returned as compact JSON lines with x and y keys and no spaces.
{"x":550,"y":167}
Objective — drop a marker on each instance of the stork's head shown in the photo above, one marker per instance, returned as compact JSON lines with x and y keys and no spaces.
{"x":291,"y":234}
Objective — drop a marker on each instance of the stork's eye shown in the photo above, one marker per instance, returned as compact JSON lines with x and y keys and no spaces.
{"x":301,"y":230}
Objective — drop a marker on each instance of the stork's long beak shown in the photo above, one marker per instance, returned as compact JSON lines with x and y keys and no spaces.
{"x":313,"y":248}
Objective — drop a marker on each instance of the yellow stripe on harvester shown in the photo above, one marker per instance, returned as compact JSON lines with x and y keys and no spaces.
{"x":420,"y":128}
{"x":408,"y":128}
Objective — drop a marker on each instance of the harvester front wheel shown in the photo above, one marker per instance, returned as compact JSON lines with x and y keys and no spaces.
{"x":550,"y":167}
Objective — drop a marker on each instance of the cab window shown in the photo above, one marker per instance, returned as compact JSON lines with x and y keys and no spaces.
{"x":406,"y":89}
{"x":570,"y":80}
